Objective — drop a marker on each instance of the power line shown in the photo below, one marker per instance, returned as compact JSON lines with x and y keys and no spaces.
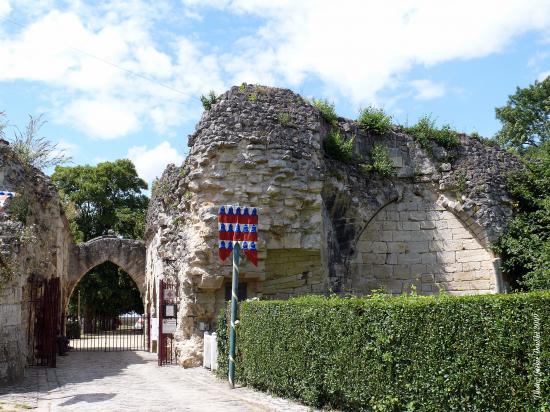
{"x":149,"y":79}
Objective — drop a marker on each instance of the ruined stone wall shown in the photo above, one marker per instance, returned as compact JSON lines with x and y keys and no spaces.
{"x":417,"y":245}
{"x":325,"y":226}
{"x":34,"y":243}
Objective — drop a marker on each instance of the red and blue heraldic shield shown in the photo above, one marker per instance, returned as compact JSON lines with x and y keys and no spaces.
{"x":238,"y":224}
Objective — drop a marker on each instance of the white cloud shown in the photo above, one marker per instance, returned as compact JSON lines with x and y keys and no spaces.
{"x":105,"y":118}
{"x":5,"y":8}
{"x":359,"y":47}
{"x":543,"y":75}
{"x":150,"y":163}
{"x":426,"y":89}
{"x":108,"y":74}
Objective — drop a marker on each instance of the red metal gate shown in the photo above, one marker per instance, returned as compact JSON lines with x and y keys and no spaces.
{"x":44,"y":317}
{"x":168,"y":298}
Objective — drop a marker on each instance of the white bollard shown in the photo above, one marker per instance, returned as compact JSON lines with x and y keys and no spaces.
{"x":214,"y":352}
{"x":207,"y":352}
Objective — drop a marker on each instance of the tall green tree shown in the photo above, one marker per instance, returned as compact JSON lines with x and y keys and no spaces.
{"x":99,"y":199}
{"x":525,"y":245}
{"x":104,"y":197}
{"x":526,"y":117}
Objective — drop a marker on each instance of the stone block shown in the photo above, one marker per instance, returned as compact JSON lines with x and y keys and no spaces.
{"x":427,"y":225}
{"x":374,"y":258}
{"x":471,"y":256}
{"x":402,"y":271}
{"x":409,"y":258}
{"x":429,"y":258}
{"x":419,"y":247}
{"x":410,"y":225}
{"x":403,"y":236}
{"x":389,"y":226}
{"x":391,"y":259}
{"x":379,"y":247}
{"x":417,"y":216}
{"x":452,"y":267}
{"x":418,"y":269}
{"x":469,"y":266}
{"x":398,"y":247}
{"x":446,"y":257}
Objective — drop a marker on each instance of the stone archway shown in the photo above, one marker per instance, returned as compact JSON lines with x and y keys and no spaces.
{"x":419,"y":243}
{"x":128,"y":254}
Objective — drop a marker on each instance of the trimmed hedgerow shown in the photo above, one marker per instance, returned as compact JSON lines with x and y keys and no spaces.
{"x":474,"y":353}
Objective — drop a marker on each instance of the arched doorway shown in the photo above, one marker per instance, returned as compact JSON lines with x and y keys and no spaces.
{"x":105,"y":311}
{"x":109,"y":273}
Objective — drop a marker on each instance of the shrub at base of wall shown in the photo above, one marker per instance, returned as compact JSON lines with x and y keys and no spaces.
{"x":475,"y":353}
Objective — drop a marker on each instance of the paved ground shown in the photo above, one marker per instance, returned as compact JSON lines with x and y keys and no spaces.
{"x":130,"y":381}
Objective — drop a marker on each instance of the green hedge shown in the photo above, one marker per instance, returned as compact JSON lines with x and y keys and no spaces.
{"x":474,"y":353}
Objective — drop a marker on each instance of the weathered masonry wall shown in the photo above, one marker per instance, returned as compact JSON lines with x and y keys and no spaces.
{"x":416,"y":244}
{"x":325,"y":226}
{"x":34,"y":244}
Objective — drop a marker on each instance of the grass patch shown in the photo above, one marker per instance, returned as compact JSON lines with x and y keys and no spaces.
{"x":208,"y":100}
{"x":425,"y":131}
{"x":380,"y":161}
{"x":327,"y":111}
{"x":284,"y":118}
{"x":338,"y":148}
{"x":374,"y":120}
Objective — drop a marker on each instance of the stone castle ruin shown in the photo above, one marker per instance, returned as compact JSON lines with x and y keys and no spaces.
{"x":325,"y":226}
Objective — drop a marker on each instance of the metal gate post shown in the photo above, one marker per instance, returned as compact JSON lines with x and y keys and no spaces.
{"x":234,"y":300}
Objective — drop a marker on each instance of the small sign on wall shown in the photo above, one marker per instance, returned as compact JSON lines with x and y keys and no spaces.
{"x":169,"y":326}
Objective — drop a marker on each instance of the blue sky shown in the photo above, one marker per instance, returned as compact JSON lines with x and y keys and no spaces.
{"x":122,"y":78}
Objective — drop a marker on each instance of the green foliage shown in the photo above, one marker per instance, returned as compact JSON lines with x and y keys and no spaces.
{"x":526,"y":117}
{"x":474,"y":353}
{"x":252,"y":97}
{"x":486,"y":141}
{"x":327,"y":111}
{"x":73,"y":330}
{"x":208,"y":100}
{"x":525,"y":245}
{"x":19,"y":208}
{"x":98,"y":199}
{"x":374,"y":120}
{"x":222,"y":332}
{"x":380,"y":161}
{"x":284,"y":118}
{"x":106,"y":290}
{"x":34,"y":151}
{"x":106,"y":196}
{"x":338,"y":148}
{"x":425,"y":131}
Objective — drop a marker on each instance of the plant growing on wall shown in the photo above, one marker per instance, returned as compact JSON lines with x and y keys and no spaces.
{"x":37,"y":151}
{"x":380,"y":161}
{"x":338,"y":148}
{"x":425,"y":131}
{"x":374,"y":120}
{"x":327,"y":111}
{"x":208,"y":100}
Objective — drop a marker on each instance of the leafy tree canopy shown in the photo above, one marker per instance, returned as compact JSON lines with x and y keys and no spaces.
{"x":525,"y":245}
{"x":99,"y":199}
{"x":103,"y":197}
{"x":526,"y":117}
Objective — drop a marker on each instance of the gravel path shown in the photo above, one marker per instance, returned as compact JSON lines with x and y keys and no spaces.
{"x":130,"y":381}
